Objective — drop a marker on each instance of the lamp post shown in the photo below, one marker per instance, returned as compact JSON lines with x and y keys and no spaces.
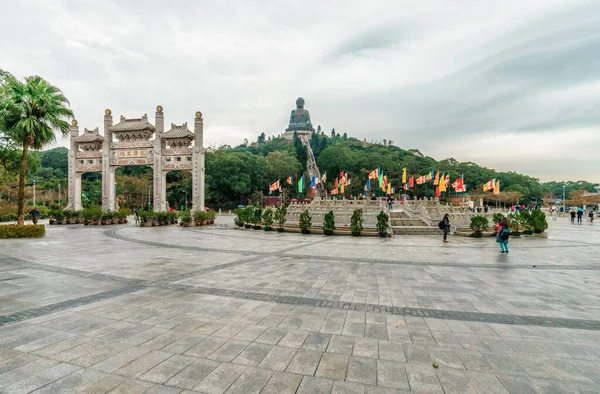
{"x":149,"y":201}
{"x":59,"y":196}
{"x":186,"y":200}
{"x":34,"y":182}
{"x":564,"y":201}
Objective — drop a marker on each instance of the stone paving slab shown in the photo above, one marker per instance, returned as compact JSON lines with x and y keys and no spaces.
{"x":200,"y":317}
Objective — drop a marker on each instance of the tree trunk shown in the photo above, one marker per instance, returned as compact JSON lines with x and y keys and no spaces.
{"x":21,"y":201}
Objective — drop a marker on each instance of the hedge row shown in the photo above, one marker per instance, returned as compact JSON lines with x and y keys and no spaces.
{"x":25,"y":231}
{"x":8,"y":213}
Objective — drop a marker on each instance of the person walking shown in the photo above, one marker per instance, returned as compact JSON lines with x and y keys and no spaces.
{"x":502,"y":234}
{"x":390,"y":201}
{"x":137,"y":215}
{"x":35,"y":214}
{"x":573,"y":216}
{"x":447,"y":225}
{"x":579,"y":216}
{"x":591,"y":215}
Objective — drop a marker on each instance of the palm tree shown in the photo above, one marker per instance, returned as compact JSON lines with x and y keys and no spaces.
{"x":31,"y":112}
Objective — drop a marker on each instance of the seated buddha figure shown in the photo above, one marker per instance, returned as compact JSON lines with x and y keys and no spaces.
{"x":300,"y":118}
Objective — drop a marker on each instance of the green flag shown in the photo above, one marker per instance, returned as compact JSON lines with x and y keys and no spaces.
{"x":301,"y":184}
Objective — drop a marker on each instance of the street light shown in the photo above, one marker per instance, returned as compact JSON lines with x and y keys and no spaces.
{"x":149,"y":201}
{"x":564,"y":201}
{"x":59,"y":195}
{"x":34,"y":182}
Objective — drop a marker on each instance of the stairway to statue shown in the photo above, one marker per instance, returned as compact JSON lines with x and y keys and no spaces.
{"x":312,"y":167}
{"x":403,"y":223}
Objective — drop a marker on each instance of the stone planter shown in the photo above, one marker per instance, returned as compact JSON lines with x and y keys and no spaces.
{"x":383,"y":234}
{"x":328,"y":232}
{"x":304,"y":231}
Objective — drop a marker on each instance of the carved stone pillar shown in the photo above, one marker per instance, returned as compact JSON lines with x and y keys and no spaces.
{"x":198,"y":164}
{"x":71,"y":188}
{"x":77,"y":191}
{"x":108,"y":181}
{"x":159,"y":183}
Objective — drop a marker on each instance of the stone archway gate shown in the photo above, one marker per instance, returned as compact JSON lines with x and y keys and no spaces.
{"x":136,"y":142}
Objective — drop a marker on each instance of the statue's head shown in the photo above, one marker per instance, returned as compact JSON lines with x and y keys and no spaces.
{"x":300,"y":102}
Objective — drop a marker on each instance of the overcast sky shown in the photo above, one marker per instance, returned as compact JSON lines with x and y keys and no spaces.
{"x":512,"y":85}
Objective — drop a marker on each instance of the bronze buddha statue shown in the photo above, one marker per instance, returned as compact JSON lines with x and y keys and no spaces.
{"x":300,"y":118}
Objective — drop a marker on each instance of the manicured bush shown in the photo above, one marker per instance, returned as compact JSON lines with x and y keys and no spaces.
{"x":280,"y":214}
{"x":305,"y":222}
{"x":329,"y":223}
{"x":382,"y":222}
{"x":200,"y":217}
{"x":267,"y":218}
{"x":479,"y":223}
{"x":538,"y":220}
{"x":24,"y":231}
{"x":356,"y":222}
{"x":146,"y":218}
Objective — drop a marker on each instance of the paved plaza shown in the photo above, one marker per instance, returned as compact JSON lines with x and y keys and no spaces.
{"x":216,"y":309}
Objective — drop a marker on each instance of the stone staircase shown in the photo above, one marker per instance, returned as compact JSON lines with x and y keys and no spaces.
{"x":403,"y":223}
{"x":312,"y":167}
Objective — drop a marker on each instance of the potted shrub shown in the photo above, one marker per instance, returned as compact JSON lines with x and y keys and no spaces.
{"x":68,"y":216}
{"x":267,"y":218}
{"x":185,"y":219}
{"x":212,"y":214}
{"x":52,"y":216}
{"x":257,"y":217}
{"x":105,"y":218}
{"x":515,"y":224}
{"x":356,"y":222}
{"x":88,"y":214}
{"x":305,"y":222}
{"x":248,"y":212}
{"x":527,"y":221}
{"x":59,"y":215}
{"x":239,"y":217}
{"x":77,"y":215}
{"x":280,"y":214}
{"x":478,"y":225}
{"x":199,"y":217}
{"x":329,"y":223}
{"x":146,"y":218}
{"x":123,"y":213}
{"x":538,"y":220}
{"x":382,"y":224}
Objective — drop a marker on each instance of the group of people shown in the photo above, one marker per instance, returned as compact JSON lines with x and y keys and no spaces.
{"x":502,"y":229}
{"x":579,"y":215}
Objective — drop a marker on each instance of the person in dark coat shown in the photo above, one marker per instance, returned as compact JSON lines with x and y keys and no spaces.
{"x":447,"y":226}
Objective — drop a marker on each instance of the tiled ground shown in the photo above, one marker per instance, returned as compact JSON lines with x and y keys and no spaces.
{"x":215,"y":309}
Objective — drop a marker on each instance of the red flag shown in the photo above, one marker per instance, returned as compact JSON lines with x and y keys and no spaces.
{"x":335,"y":184}
{"x":411,"y":182}
{"x":437,"y":191}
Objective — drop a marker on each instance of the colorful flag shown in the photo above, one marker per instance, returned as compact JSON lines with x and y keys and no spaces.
{"x":301,"y":184}
{"x":459,"y":186}
{"x":342,"y":188}
{"x":497,"y":187}
{"x":420,"y":180}
{"x":404,"y":175}
{"x":442,"y":183}
{"x":406,"y":186}
{"x":274,"y":186}
{"x":335,"y":184}
{"x":447,"y":181}
{"x":349,"y":181}
{"x":489,"y":185}
{"x":373,"y":174}
{"x":436,"y":180}
{"x":324,"y":177}
{"x":430,"y":176}
{"x":289,"y":180}
{"x":334,"y":191}
{"x":365,"y":191}
{"x":389,"y":188}
{"x":383,"y":182}
{"x":313,"y":181}
{"x":368,"y":184}
{"x":393,"y":190}
{"x":411,"y":182}
{"x":437,"y":191}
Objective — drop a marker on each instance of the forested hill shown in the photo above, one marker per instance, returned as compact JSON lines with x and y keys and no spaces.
{"x":240,"y":174}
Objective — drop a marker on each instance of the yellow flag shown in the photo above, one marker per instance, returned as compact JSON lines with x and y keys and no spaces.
{"x":442,"y":183}
{"x":342,"y":188}
{"x":389,"y":188}
{"x":404,"y":175}
{"x":497,"y":187}
{"x":436,"y":181}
